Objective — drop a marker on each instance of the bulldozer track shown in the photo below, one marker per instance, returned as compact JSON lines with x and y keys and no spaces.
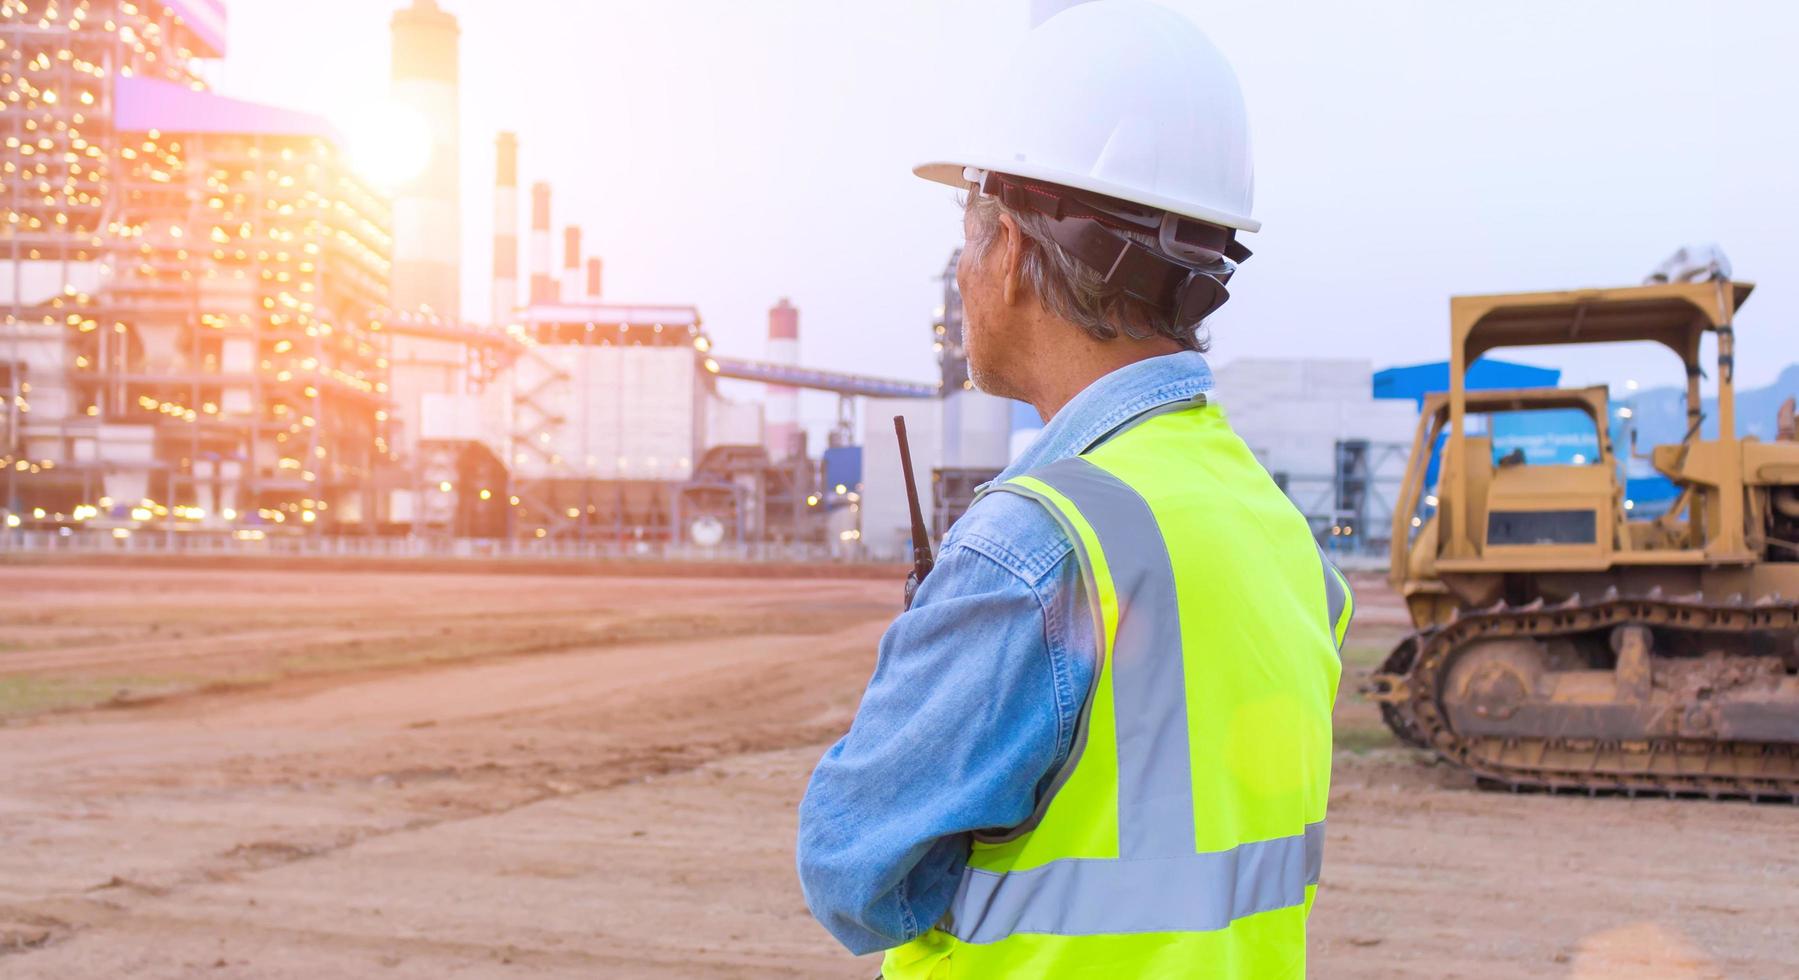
{"x":1396,"y":715}
{"x":1658,"y":766}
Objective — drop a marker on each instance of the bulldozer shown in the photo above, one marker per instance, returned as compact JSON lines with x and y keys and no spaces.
{"x":1563,"y":642}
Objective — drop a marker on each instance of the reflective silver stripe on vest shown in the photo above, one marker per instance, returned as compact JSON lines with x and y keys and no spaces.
{"x":1158,"y":883}
{"x":1336,"y":595}
{"x":1149,"y":691}
{"x":1089,"y":897}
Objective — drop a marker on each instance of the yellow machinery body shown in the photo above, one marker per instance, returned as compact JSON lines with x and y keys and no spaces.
{"x":1563,"y":643}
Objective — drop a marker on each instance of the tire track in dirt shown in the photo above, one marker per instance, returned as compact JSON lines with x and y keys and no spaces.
{"x":481,"y":737}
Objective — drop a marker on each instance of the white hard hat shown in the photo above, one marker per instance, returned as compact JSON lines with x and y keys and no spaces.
{"x":1124,"y":98}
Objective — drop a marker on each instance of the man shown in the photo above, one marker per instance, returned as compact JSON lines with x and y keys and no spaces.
{"x":1098,"y":743}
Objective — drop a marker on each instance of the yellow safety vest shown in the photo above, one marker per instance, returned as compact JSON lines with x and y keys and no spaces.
{"x":1184,"y":836}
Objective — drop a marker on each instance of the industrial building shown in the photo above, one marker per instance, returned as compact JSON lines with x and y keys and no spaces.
{"x":187,"y":339}
{"x":574,"y":419}
{"x":216,"y":333}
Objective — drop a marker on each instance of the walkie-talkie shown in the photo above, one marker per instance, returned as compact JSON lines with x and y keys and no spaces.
{"x":921,"y":538}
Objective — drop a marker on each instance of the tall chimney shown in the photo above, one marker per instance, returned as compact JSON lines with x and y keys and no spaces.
{"x":782,"y":403}
{"x":543,"y":286}
{"x":593,"y":280}
{"x":505,"y":230}
{"x":427,"y":269}
{"x":571,"y":264}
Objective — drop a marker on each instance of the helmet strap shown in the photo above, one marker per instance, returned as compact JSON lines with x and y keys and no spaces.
{"x":1189,"y":290}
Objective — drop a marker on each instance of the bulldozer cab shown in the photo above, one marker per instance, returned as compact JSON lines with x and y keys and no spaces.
{"x":1468,"y":508}
{"x":1546,"y":498}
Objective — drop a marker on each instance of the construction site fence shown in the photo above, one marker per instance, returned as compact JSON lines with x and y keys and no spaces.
{"x":26,"y":541}
{"x":19,"y":540}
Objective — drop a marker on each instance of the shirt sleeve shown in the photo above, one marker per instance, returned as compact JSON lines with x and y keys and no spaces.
{"x":970,"y":710}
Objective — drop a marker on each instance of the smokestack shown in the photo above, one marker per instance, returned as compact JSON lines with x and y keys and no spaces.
{"x":593,"y":280}
{"x":571,"y":264}
{"x":782,"y":404}
{"x":505,"y":230}
{"x":427,"y":269}
{"x":543,"y":287}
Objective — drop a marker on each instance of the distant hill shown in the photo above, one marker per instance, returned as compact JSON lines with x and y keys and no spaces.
{"x":1661,"y":413}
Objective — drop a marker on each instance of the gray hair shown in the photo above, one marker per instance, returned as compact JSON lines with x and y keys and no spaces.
{"x":1071,"y":289}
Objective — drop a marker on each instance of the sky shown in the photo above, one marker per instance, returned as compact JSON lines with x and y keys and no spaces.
{"x":728,"y":154}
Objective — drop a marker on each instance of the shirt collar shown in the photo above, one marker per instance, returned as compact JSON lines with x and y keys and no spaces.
{"x":1112,"y":401}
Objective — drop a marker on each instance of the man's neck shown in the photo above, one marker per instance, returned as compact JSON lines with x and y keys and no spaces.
{"x":1062,"y":374}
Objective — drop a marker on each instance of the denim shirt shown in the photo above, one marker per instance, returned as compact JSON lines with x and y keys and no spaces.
{"x":975,"y":695}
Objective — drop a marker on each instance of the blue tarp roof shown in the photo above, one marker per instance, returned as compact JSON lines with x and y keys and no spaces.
{"x":1417,"y":380}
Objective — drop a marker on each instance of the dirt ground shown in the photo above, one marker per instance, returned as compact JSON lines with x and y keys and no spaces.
{"x":254,"y":773}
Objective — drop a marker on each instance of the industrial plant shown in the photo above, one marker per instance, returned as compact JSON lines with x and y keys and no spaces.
{"x":218,"y":336}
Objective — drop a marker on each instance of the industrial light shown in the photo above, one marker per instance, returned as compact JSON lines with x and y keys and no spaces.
{"x":812,"y":500}
{"x":444,"y":486}
{"x":390,"y":143}
{"x":12,"y":520}
{"x":486,"y":494}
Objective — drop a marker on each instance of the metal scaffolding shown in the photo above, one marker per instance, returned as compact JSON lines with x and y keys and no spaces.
{"x":191,"y":286}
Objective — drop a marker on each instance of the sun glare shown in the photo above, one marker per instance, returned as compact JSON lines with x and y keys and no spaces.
{"x":390,"y":143}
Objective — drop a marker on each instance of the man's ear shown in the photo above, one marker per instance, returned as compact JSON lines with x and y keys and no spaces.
{"x":1011,"y":260}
